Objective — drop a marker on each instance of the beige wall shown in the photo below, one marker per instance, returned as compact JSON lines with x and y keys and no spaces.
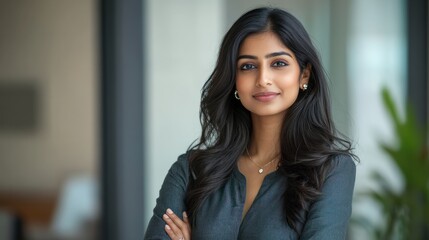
{"x":53,"y":45}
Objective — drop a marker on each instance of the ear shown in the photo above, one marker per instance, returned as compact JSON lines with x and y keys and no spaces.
{"x":305,"y":75}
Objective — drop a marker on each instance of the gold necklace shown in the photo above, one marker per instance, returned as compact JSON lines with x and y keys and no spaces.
{"x":261,"y":168}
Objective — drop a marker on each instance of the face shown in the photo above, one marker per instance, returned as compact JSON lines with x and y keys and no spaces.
{"x":268,"y":77}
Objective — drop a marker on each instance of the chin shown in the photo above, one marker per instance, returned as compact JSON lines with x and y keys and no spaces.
{"x":268,"y":113}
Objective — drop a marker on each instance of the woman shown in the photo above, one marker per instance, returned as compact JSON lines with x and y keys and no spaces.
{"x":268,"y":164}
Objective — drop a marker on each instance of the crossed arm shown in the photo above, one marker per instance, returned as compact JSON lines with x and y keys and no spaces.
{"x":327,"y":218}
{"x":171,"y":200}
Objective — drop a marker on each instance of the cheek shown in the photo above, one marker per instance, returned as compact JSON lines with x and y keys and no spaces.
{"x":290,"y":81}
{"x":243,"y":83}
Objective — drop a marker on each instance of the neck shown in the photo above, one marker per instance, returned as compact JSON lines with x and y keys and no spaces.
{"x":265,"y":140}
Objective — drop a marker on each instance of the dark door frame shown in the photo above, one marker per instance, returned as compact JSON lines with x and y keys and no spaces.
{"x":122,"y":146}
{"x":417,"y":35}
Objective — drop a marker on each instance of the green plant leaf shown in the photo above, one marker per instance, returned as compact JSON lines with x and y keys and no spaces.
{"x":406,"y":211}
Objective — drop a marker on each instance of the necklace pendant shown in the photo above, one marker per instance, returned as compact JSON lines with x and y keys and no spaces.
{"x":261,"y":171}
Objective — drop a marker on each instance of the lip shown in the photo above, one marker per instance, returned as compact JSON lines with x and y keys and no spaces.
{"x":265,"y":96}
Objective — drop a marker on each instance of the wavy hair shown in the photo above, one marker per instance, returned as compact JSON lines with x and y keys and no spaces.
{"x":308,"y":138}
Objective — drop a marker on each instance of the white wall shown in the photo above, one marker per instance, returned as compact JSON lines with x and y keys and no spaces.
{"x":182,"y":42}
{"x":53,"y":45}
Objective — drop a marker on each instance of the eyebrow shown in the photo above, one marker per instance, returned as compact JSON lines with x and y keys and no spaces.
{"x":270,"y":55}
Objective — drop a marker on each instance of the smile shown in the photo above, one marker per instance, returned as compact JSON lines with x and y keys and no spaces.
{"x":265,"y":96}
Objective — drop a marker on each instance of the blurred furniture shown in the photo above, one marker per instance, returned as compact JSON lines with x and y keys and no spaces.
{"x":10,"y":226}
{"x":77,"y":206}
{"x":69,"y":214}
{"x":32,"y":208}
{"x":19,"y":211}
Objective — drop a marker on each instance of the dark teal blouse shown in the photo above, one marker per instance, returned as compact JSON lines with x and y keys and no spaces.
{"x":220,"y":215}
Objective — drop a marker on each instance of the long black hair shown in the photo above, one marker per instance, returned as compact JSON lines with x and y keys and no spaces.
{"x":308,"y":138}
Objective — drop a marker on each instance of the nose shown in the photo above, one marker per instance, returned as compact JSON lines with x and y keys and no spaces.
{"x":263,"y":77}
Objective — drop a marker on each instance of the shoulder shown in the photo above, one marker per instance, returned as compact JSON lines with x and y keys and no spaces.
{"x":341,"y":174}
{"x":181,"y":166}
{"x":342,"y":163}
{"x":182,"y":162}
{"x":178,"y":175}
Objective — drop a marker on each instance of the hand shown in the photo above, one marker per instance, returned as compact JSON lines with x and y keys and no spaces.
{"x":175,"y":227}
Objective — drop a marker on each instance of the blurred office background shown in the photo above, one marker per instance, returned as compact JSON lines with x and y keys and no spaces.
{"x":98,"y":98}
{"x":48,"y":116}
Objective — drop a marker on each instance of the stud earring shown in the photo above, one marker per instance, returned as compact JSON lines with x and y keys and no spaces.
{"x":236,"y":95}
{"x":304,"y":86}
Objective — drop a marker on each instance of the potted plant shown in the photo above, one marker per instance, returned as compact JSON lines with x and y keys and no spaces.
{"x":405,"y":211}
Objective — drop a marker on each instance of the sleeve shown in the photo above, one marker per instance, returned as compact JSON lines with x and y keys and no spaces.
{"x":328,"y":217}
{"x":171,"y":195}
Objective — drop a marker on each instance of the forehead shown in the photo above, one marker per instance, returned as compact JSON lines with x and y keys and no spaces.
{"x":262,"y":43}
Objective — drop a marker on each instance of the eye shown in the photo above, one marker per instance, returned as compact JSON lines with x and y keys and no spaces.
{"x":247,"y":66}
{"x":279,"y":64}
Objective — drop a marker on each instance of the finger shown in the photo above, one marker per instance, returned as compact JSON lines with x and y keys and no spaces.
{"x":175,"y":230}
{"x":170,"y":232}
{"x":179,"y":223}
{"x":188,"y":225}
{"x":185,"y":218}
{"x":183,"y":228}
